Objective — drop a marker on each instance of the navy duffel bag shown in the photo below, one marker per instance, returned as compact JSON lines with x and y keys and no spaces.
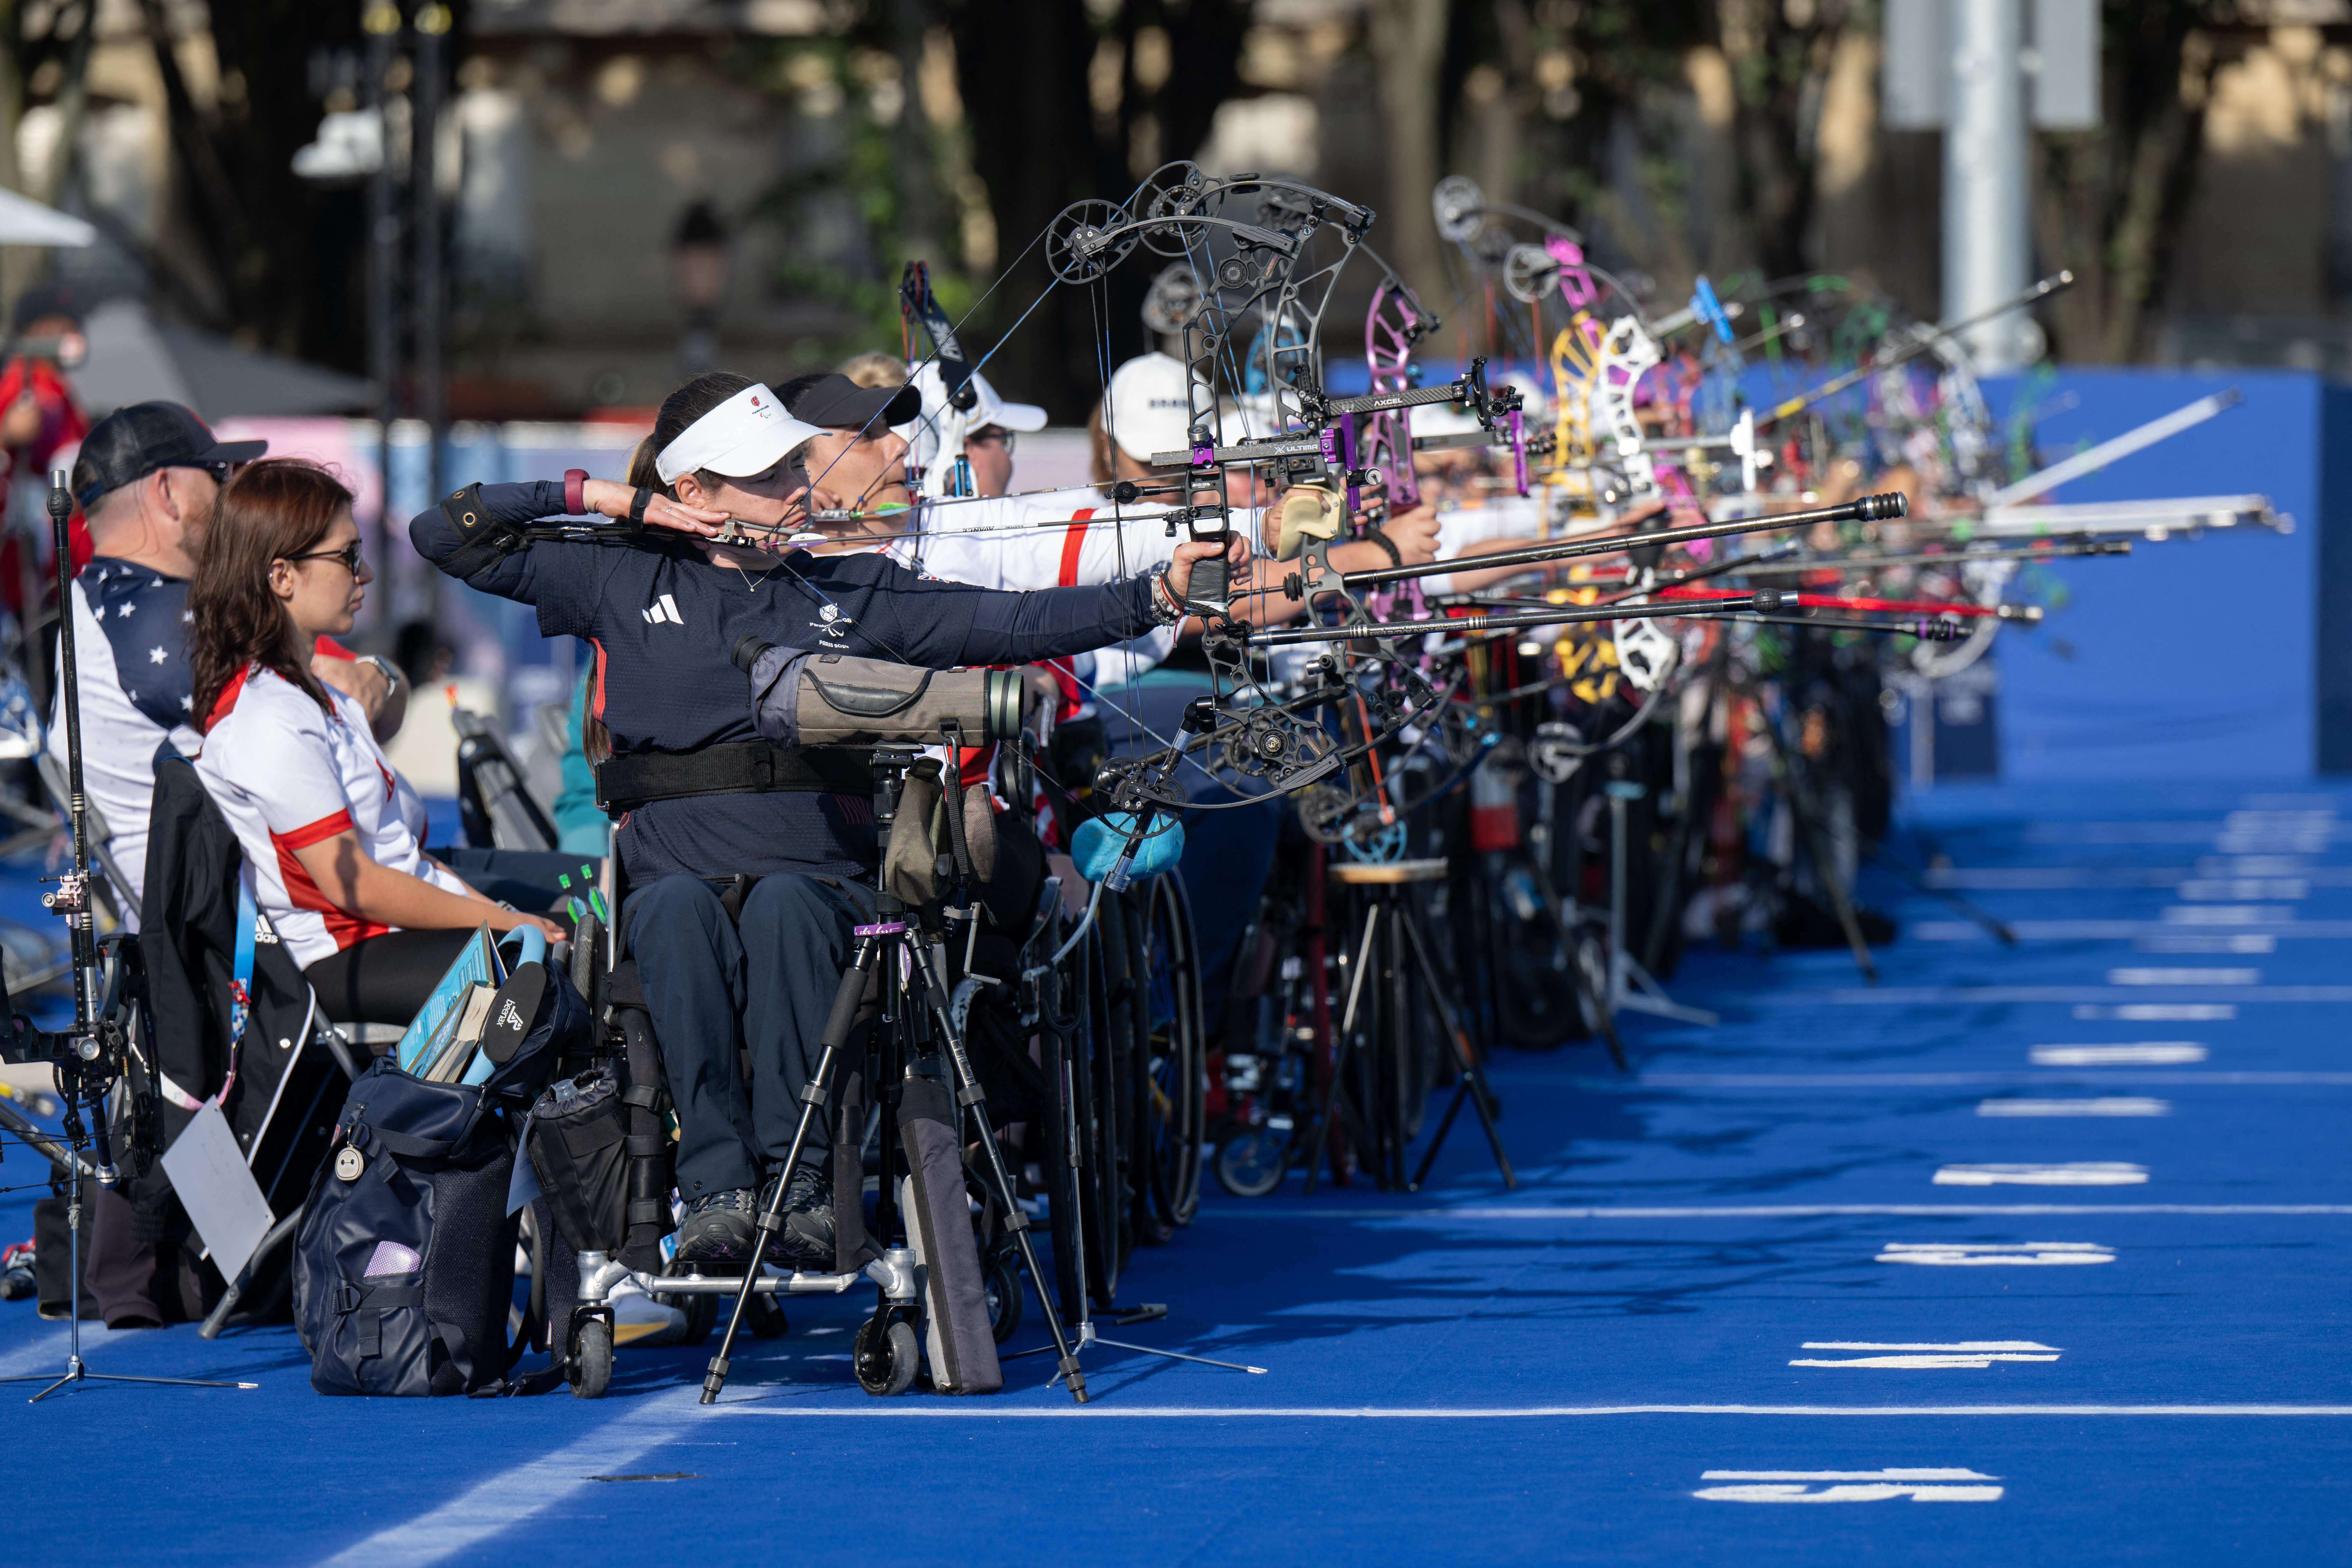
{"x":403,"y":1263}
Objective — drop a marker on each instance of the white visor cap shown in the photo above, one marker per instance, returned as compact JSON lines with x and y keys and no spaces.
{"x":1148,"y":408}
{"x":992,"y":409}
{"x":749,"y":434}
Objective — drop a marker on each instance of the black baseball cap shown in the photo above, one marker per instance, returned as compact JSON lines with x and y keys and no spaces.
{"x":132,"y":442}
{"x":46,"y":299}
{"x":838,"y":403}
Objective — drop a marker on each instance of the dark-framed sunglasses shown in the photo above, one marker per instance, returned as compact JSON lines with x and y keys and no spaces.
{"x":989,"y":434}
{"x":348,"y":556}
{"x":221,"y":472}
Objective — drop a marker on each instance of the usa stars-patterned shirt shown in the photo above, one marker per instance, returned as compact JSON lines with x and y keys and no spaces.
{"x":130,"y":646}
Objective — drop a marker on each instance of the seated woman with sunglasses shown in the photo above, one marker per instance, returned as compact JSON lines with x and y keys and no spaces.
{"x":372,"y":921}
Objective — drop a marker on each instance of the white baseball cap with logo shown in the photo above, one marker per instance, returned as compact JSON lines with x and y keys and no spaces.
{"x":990,"y":409}
{"x":1148,"y":408}
{"x":749,"y":434}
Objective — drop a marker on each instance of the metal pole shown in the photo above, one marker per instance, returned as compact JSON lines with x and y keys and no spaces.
{"x":381,"y":19}
{"x":1988,"y":240}
{"x":424,"y":204}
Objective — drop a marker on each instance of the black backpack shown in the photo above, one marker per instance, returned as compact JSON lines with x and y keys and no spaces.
{"x":404,"y":1262}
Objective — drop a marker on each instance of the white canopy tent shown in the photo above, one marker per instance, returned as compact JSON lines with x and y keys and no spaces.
{"x":24,"y":221}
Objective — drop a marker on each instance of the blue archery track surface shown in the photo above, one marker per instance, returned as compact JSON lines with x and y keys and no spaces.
{"x":1594,"y":1368}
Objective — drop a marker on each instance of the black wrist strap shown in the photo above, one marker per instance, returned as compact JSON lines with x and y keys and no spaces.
{"x":483,"y":539}
{"x":644,"y":498}
{"x":1374,"y":536}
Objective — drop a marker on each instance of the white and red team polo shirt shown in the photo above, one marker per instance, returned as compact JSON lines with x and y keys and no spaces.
{"x":287,"y":775}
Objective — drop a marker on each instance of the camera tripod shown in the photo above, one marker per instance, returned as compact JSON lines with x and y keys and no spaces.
{"x":904,"y":949}
{"x":1067,"y":1029}
{"x":86,"y":1057}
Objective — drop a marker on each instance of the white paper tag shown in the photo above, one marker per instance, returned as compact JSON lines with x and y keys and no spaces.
{"x":220,"y":1195}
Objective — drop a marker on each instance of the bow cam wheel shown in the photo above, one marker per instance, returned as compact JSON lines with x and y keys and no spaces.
{"x":1087,"y":240}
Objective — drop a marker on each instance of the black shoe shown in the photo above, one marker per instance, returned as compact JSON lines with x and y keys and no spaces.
{"x":806,"y":1239}
{"x":719,"y":1227}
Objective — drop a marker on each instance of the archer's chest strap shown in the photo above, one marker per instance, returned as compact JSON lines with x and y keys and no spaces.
{"x":630,"y":779}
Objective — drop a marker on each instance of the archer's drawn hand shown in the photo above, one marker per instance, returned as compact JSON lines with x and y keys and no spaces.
{"x":609,"y":498}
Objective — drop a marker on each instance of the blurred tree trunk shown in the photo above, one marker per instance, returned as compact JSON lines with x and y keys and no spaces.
{"x":1779,"y":72}
{"x":1063,"y":109}
{"x":2109,"y":203}
{"x":1408,"y":41}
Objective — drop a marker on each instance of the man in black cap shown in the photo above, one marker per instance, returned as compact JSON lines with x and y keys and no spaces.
{"x":147,"y":480}
{"x":859,"y":464}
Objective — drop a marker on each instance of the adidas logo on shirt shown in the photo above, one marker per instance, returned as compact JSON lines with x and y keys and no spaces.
{"x":663,"y":609}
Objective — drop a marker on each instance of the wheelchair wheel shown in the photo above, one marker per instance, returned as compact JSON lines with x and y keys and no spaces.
{"x":886,"y":1356}
{"x":590,"y":1367}
{"x":1252,"y":1161}
{"x":1175,"y":1064}
{"x":1004,"y":1289}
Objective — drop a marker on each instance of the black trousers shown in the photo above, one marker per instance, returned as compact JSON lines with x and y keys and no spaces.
{"x":385,"y":979}
{"x":762,"y":986}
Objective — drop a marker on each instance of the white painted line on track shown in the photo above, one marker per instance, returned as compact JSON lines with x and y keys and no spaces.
{"x":517,"y":1494}
{"x":2073,"y":1173}
{"x":1982,"y":1255}
{"x":2161,"y":1013}
{"x":1965,"y":1355}
{"x":943,"y":1411}
{"x":2235,"y":945}
{"x":1848,"y":1486}
{"x":2141,"y":976}
{"x":2114,"y":997}
{"x":2145,"y":1054}
{"x":2220,"y":890}
{"x":47,"y":1350}
{"x":2104,"y":1105}
{"x":1809,"y":1081}
{"x":1777,"y":1211}
{"x":2228,"y":915}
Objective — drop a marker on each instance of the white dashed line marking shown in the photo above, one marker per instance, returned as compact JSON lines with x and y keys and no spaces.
{"x":2159,"y":1013}
{"x":2106,"y":1105}
{"x":2184,"y":977}
{"x":1978,"y":1254}
{"x":1848,"y":1486}
{"x":1966,"y":1356}
{"x":2073,"y":1173}
{"x":2146,"y":1054}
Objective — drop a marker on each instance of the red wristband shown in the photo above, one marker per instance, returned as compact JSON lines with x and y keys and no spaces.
{"x":575,"y":492}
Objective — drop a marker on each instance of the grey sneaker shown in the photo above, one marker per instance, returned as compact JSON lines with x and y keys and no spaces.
{"x":806,"y":1241}
{"x":719,"y":1227}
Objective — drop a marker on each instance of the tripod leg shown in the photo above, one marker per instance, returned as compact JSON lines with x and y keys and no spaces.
{"x":1474,"y":1075}
{"x":837,"y":1025}
{"x":1017,"y":1220}
{"x":1437,"y":1140}
{"x":1801,"y":809}
{"x":1339,"y":1057}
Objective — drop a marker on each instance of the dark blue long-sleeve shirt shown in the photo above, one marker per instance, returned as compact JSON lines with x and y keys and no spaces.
{"x":664,"y":622}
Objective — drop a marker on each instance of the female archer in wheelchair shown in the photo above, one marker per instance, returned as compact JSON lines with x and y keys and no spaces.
{"x":372,"y":919}
{"x":702,"y":802}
